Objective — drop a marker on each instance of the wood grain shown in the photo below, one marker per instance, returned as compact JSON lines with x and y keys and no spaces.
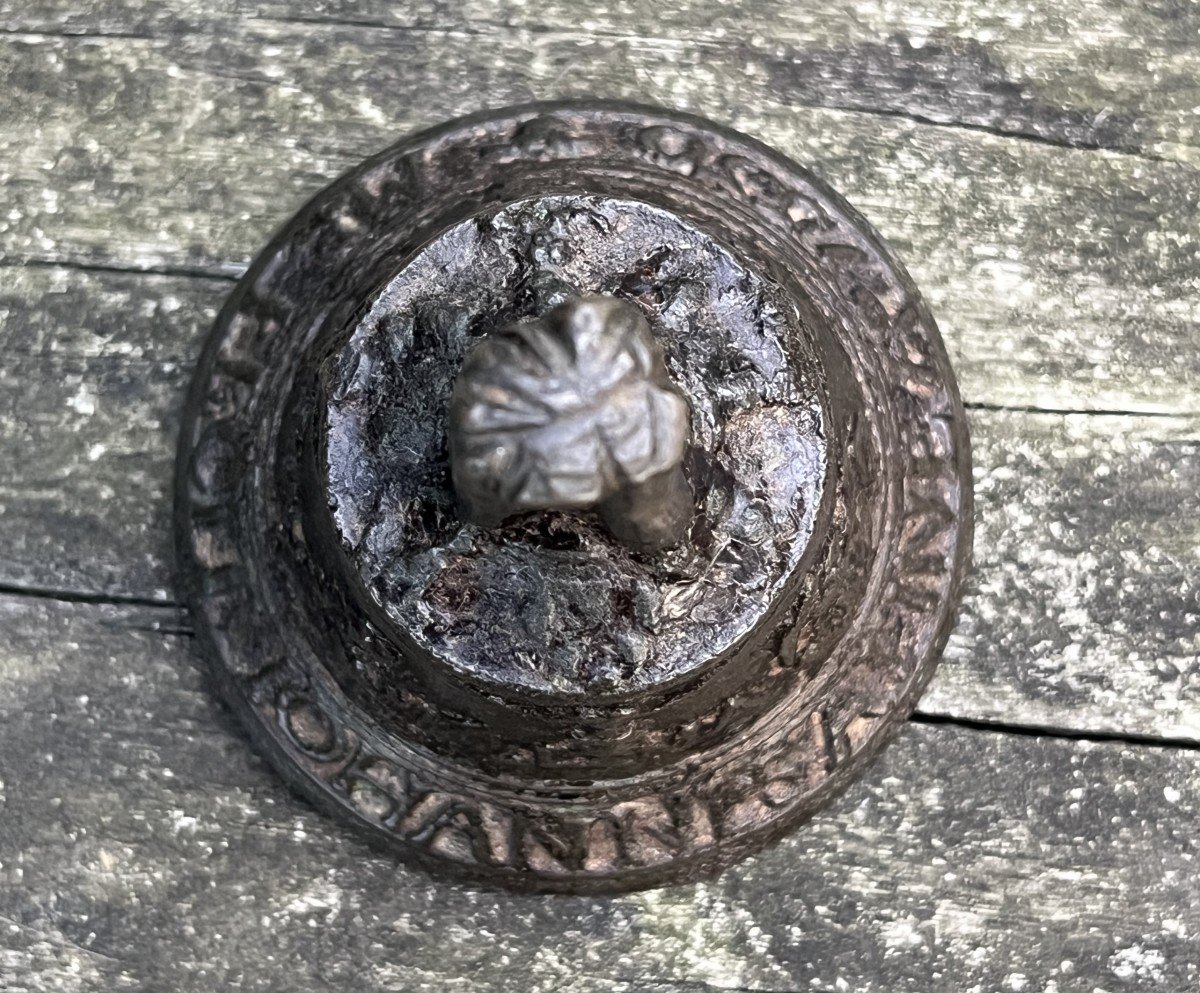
{"x":90,"y":389}
{"x":1033,"y":164}
{"x":1082,"y":614}
{"x":1084,"y":609}
{"x":1062,"y":278}
{"x":143,"y":846}
{"x":1100,"y":74}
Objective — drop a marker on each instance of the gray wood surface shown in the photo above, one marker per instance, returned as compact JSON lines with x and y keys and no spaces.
{"x":1036,"y":166}
{"x":146,"y":846}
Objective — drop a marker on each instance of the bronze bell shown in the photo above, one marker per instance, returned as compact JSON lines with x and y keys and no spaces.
{"x":574,"y":497}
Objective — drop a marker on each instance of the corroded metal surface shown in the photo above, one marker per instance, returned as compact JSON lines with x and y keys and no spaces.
{"x":555,"y":604}
{"x":573,"y":410}
{"x":570,"y":785}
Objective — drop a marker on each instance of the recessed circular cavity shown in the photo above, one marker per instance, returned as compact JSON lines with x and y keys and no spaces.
{"x":550,"y":602}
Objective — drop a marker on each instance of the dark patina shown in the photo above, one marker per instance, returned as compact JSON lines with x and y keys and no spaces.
{"x":573,"y":410}
{"x":574,"y":497}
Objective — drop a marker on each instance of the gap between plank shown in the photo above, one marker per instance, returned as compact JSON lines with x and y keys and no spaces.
{"x":470,"y":29}
{"x":1134,"y":151}
{"x":919,"y":717}
{"x":1174,"y":743}
{"x":1028,"y":408}
{"x":229,"y":274}
{"x":85,"y":34}
{"x":81,"y":596}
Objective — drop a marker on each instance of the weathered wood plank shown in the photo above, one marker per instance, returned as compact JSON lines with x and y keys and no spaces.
{"x":1103,"y":74}
{"x":142,"y":846}
{"x":95,"y":369}
{"x":1062,"y":278}
{"x":1084,"y":611}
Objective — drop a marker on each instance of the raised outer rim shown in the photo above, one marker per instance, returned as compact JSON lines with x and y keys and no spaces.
{"x":433,"y":804}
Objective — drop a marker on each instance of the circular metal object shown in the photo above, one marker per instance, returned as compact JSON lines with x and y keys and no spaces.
{"x":535,"y":703}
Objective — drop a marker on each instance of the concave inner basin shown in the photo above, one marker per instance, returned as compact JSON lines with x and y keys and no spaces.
{"x":550,"y":602}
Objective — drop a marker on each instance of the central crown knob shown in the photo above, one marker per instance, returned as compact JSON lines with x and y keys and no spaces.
{"x":573,"y":410}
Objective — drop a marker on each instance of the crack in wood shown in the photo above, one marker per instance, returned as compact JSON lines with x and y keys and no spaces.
{"x":87,"y":597}
{"x":1079,"y":145}
{"x":1131,"y":738}
{"x":483,"y":28}
{"x":226,"y":273}
{"x":1023,"y":408}
{"x":82,"y":34}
